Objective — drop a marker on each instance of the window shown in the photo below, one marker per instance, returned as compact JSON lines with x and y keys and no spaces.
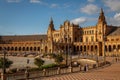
{"x":81,"y":39}
{"x":117,"y":39}
{"x":86,"y":39}
{"x":92,"y":38}
{"x":75,"y":39}
{"x":112,"y":39}
{"x":92,"y":31}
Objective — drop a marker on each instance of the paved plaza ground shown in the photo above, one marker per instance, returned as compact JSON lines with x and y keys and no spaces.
{"x":106,"y":73}
{"x":111,"y":72}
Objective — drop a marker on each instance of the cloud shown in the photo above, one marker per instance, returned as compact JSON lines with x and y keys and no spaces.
{"x":114,"y":5}
{"x":54,"y":5}
{"x":35,"y":1}
{"x":117,"y":16}
{"x":115,"y":20}
{"x":79,"y":20}
{"x":89,"y":9}
{"x":13,"y":1}
{"x":91,"y":0}
{"x":66,"y":5}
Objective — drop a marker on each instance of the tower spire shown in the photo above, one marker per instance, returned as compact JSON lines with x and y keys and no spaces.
{"x":101,"y":17}
{"x":51,"y":25}
{"x":101,"y":12}
{"x":51,"y":20}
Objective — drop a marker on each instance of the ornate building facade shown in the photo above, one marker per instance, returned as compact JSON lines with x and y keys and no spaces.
{"x":101,"y":39}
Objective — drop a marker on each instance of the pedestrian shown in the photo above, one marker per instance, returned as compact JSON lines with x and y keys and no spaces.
{"x":86,"y":67}
{"x":116,"y":59}
{"x":28,"y":61}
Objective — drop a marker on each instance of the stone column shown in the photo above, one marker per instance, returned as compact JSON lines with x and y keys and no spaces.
{"x":3,"y":76}
{"x":70,"y":69}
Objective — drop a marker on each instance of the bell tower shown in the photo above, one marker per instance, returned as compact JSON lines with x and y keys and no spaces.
{"x":101,"y":26}
{"x":50,"y":30}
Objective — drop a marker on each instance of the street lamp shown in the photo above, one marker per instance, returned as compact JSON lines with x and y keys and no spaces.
{"x":104,"y":51}
{"x":70,"y":56}
{"x":67,"y":51}
{"x":4,"y":55}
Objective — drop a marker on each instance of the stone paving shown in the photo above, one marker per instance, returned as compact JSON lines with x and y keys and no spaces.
{"x":107,"y":73}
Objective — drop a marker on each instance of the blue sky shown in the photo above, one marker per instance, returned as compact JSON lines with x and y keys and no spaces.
{"x":26,"y":17}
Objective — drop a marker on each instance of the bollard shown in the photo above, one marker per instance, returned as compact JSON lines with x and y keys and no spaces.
{"x":44,"y":72}
{"x":58,"y":70}
{"x":70,"y":69}
{"x":27,"y":75}
{"x":80,"y":67}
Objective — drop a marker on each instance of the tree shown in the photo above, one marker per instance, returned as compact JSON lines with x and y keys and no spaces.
{"x":39,"y":62}
{"x":58,"y":58}
{"x":8,"y":63}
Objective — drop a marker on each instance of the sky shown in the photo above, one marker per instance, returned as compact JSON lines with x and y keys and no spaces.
{"x":31,"y":17}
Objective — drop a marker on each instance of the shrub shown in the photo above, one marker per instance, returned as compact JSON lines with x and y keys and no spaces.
{"x":48,"y":66}
{"x":58,"y":58}
{"x":8,"y":63}
{"x":39,"y":62}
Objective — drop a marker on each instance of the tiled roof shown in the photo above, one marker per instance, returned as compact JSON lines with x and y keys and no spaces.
{"x":115,"y":32}
{"x":23,"y":38}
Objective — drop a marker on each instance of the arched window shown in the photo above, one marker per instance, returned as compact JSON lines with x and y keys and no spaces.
{"x":38,"y":48}
{"x":0,"y":48}
{"x":19,"y":48}
{"x":95,"y":47}
{"x":118,"y":46}
{"x":23,"y":48}
{"x":80,"y":48}
{"x":34,"y":48}
{"x":74,"y":48}
{"x":110,"y":48}
{"x":30,"y":48}
{"x":27,"y":48}
{"x":87,"y":47}
{"x":75,"y":39}
{"x":91,"y":48}
{"x":114,"y":47}
{"x":12,"y":48}
{"x":15,"y":48}
{"x":77,"y":48}
{"x":8,"y":48}
{"x":46,"y":48}
{"x":105,"y":48}
{"x":84,"y":48}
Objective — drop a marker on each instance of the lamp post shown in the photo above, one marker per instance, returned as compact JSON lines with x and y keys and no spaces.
{"x":70,"y":56}
{"x":4,"y":55}
{"x":67,"y":40}
{"x":104,"y":51}
{"x":3,"y":76}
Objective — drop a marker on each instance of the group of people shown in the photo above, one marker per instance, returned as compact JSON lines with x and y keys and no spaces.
{"x":117,"y":59}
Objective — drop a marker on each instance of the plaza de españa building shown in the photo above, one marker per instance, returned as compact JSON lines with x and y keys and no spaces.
{"x":101,"y":39}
